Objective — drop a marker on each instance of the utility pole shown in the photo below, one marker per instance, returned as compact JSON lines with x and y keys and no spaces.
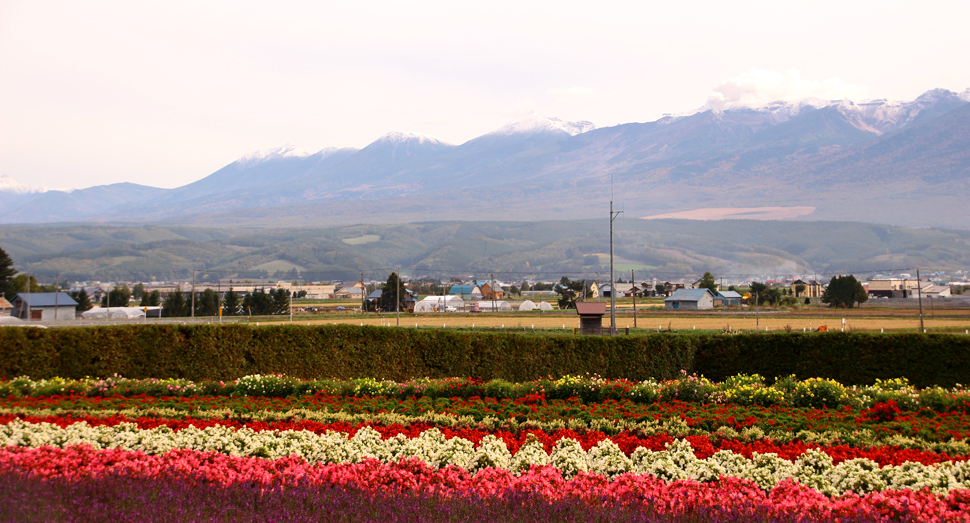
{"x":27,"y":316}
{"x":363,"y":292}
{"x":397,"y":298}
{"x":633,"y":280}
{"x":291,"y":304}
{"x":491,"y":287}
{"x":613,"y":216}
{"x":757,"y":324}
{"x":193,"y":294}
{"x":56,"y":295}
{"x":919,"y":293}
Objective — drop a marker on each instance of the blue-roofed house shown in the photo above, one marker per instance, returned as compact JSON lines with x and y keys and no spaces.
{"x":466,"y":291}
{"x":44,"y":306}
{"x":729,"y":298}
{"x":690,"y":299}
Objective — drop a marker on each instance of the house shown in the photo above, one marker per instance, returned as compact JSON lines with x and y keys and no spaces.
{"x":690,"y":299}
{"x":466,"y":291}
{"x":810,"y":289}
{"x":44,"y":306}
{"x":729,"y":298}
{"x":6,"y":308}
{"x":492,"y":291}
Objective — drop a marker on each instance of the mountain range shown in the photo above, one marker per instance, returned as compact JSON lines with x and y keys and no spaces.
{"x":877,"y":161}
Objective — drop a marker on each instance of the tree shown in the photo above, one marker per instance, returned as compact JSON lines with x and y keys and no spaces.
{"x":230,"y":303}
{"x":151,"y":299}
{"x":569,"y":292}
{"x":175,"y":306}
{"x":389,"y":294}
{"x":660,"y":288}
{"x":844,"y":291}
{"x":525,"y":286}
{"x":82,"y":299}
{"x":799,"y":289}
{"x":207,"y":303}
{"x":515,"y":291}
{"x":7,"y":272}
{"x":118,"y":297}
{"x":707,"y":282}
{"x":281,"y":301}
{"x":259,"y":303}
{"x":761,"y":294}
{"x":137,"y":292}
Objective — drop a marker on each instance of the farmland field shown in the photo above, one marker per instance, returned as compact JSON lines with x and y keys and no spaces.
{"x":954,"y":321}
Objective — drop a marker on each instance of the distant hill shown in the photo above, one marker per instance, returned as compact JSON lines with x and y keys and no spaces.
{"x":511,"y":250}
{"x":878,"y":161}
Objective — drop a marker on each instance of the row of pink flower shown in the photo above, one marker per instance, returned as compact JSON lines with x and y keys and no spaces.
{"x":788,"y":500}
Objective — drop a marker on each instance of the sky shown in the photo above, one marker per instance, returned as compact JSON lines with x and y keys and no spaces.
{"x":165,"y":93}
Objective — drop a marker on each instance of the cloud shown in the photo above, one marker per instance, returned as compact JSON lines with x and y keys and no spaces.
{"x":757,"y":87}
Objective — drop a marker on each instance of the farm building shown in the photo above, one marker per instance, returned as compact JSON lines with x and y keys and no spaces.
{"x":440,"y":304}
{"x":44,"y":306}
{"x":466,"y":291}
{"x":690,"y":299}
{"x":6,"y":308}
{"x":729,"y":298}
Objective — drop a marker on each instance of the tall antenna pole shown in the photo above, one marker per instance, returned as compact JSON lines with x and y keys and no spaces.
{"x":613,"y":216}
{"x":633,"y":281}
{"x":193,"y":293}
{"x":919,"y":293}
{"x":397,"y":298}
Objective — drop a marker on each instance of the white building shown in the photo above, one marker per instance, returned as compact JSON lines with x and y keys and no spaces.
{"x":44,"y":306}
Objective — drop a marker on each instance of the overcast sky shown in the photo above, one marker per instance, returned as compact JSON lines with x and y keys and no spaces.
{"x":165,"y":93}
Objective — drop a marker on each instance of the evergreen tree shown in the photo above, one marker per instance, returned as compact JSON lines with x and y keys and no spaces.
{"x":844,"y":291}
{"x":707,"y":282}
{"x":137,"y":292}
{"x":118,"y":297}
{"x":281,"y":301}
{"x":175,"y":306}
{"x":259,"y":303}
{"x":82,"y":299}
{"x":230,"y":303}
{"x":7,"y":273}
{"x":207,"y":303}
{"x":389,"y":294}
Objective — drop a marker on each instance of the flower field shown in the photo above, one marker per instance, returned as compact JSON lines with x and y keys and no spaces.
{"x":571,"y":449}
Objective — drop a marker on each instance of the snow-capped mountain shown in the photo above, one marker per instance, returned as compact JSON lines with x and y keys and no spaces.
{"x":399,"y":137}
{"x":12,"y":186}
{"x":275,"y":153}
{"x":534,"y":123}
{"x":848,"y":158}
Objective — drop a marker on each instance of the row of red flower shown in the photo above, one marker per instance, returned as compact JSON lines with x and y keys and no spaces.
{"x":926,"y":425}
{"x":734,"y":498}
{"x":704,"y":446}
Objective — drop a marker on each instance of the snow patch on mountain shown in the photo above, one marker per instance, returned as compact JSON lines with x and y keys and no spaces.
{"x":398,"y":137}
{"x":274,"y":153}
{"x":10,"y":185}
{"x":535,"y":123}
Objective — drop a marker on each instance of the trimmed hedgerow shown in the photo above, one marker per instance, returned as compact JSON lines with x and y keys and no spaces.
{"x":214,"y":352}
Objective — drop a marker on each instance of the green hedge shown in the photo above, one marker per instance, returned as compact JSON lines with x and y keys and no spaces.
{"x":216,"y":352}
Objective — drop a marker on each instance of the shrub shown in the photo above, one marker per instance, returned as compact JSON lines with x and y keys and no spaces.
{"x":817,"y":393}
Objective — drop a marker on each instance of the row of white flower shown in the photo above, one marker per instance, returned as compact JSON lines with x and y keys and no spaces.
{"x":814,"y":468}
